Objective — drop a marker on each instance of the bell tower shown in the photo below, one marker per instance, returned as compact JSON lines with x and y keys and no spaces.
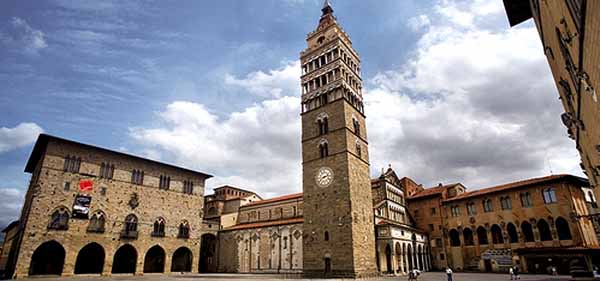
{"x":339,"y":239}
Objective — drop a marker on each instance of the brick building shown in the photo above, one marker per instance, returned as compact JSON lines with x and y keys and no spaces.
{"x":570,"y":34}
{"x":536,"y":223}
{"x":89,"y":210}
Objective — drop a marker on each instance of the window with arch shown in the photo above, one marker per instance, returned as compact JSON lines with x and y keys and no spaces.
{"x":526,"y":200}
{"x":487,"y":205}
{"x":513,"y":236}
{"x":97,"y":222}
{"x":164,"y":182}
{"x":455,"y":211}
{"x":323,"y":149}
{"x":321,"y":40}
{"x":471,"y":209}
{"x":454,"y":238}
{"x":505,"y":203}
{"x":592,"y":199}
{"x":323,"y":124}
{"x":184,"y":230}
{"x":549,"y":195}
{"x":130,"y":223}
{"x":72,"y":164}
{"x":59,"y":220}
{"x":358,"y":149}
{"x":326,"y":235}
{"x":159,"y":228}
{"x":562,"y":229}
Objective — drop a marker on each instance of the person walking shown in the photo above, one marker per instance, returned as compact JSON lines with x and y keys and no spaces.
{"x":512,"y":273}
{"x":516,"y":272}
{"x":449,"y":273}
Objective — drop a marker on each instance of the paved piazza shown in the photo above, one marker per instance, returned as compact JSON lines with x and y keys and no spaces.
{"x":429,"y":276}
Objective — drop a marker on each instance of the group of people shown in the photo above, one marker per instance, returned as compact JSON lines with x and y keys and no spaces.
{"x":514,"y":273}
{"x":414,"y":274}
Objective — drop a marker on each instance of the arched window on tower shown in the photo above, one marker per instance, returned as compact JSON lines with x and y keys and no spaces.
{"x":358,"y":149}
{"x":323,"y":149}
{"x":356,"y":125}
{"x":184,"y":230}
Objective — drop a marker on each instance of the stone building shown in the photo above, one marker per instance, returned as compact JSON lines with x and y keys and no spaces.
{"x":536,"y":223}
{"x":338,"y":221}
{"x":222,"y":206}
{"x":267,"y":237}
{"x":570,"y":34}
{"x":10,"y":233}
{"x":89,"y":210}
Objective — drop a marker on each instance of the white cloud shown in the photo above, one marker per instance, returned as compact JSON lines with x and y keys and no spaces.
{"x":473,"y":104}
{"x":25,"y":37}
{"x":11,"y":201}
{"x":22,"y":135}
{"x":419,"y":22}
{"x":256,"y":148}
{"x":284,"y":81}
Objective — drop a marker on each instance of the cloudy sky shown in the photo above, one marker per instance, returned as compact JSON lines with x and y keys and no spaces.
{"x":452,"y":93}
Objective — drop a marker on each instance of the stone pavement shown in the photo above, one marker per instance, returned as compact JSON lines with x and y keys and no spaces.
{"x":428,"y":276}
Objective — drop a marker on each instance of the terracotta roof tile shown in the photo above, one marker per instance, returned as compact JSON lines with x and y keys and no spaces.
{"x":512,"y":185}
{"x":432,"y":191}
{"x":265,"y":224}
{"x":276,"y":199}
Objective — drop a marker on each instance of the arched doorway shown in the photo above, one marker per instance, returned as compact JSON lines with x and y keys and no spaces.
{"x":420,"y":257}
{"x":398,"y":258}
{"x":182,"y":260}
{"x":125,"y":260}
{"x":454,"y":238}
{"x":388,"y":258}
{"x":90,"y":259}
{"x":47,"y":259}
{"x":468,"y":237}
{"x":482,"y":236}
{"x":154,"y":262}
{"x":207,"y":253}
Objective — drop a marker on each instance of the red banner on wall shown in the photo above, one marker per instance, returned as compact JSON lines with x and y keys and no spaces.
{"x":86,"y":185}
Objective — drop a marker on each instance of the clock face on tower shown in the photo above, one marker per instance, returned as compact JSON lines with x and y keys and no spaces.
{"x":324,"y":177}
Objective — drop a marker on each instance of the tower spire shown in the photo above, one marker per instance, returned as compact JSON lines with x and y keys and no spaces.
{"x":327,"y":9}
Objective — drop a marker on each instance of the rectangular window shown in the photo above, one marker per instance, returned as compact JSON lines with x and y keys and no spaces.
{"x":188,"y":187}
{"x":526,"y":201}
{"x":67,"y":186}
{"x":137,"y":177}
{"x":442,"y":257}
{"x":72,"y":164}
{"x":471,"y":209}
{"x":165,"y":183}
{"x":438,"y":242}
{"x":107,"y":171}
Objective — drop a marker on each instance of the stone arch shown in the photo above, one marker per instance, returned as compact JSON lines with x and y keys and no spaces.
{"x":497,"y":237}
{"x":47,"y":259}
{"x":182,"y":260}
{"x":563,"y":230}
{"x":404,"y":258}
{"x":468,"y":236}
{"x":454,"y":238}
{"x":410,"y":257}
{"x":482,"y":236}
{"x":513,"y":236}
{"x":420,"y":257}
{"x":154,"y":262}
{"x":398,"y":251}
{"x":125,"y":259}
{"x":90,"y":259}
{"x":388,"y":258}
{"x":208,"y":246}
{"x":527,"y":231}
{"x":544,"y":229}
